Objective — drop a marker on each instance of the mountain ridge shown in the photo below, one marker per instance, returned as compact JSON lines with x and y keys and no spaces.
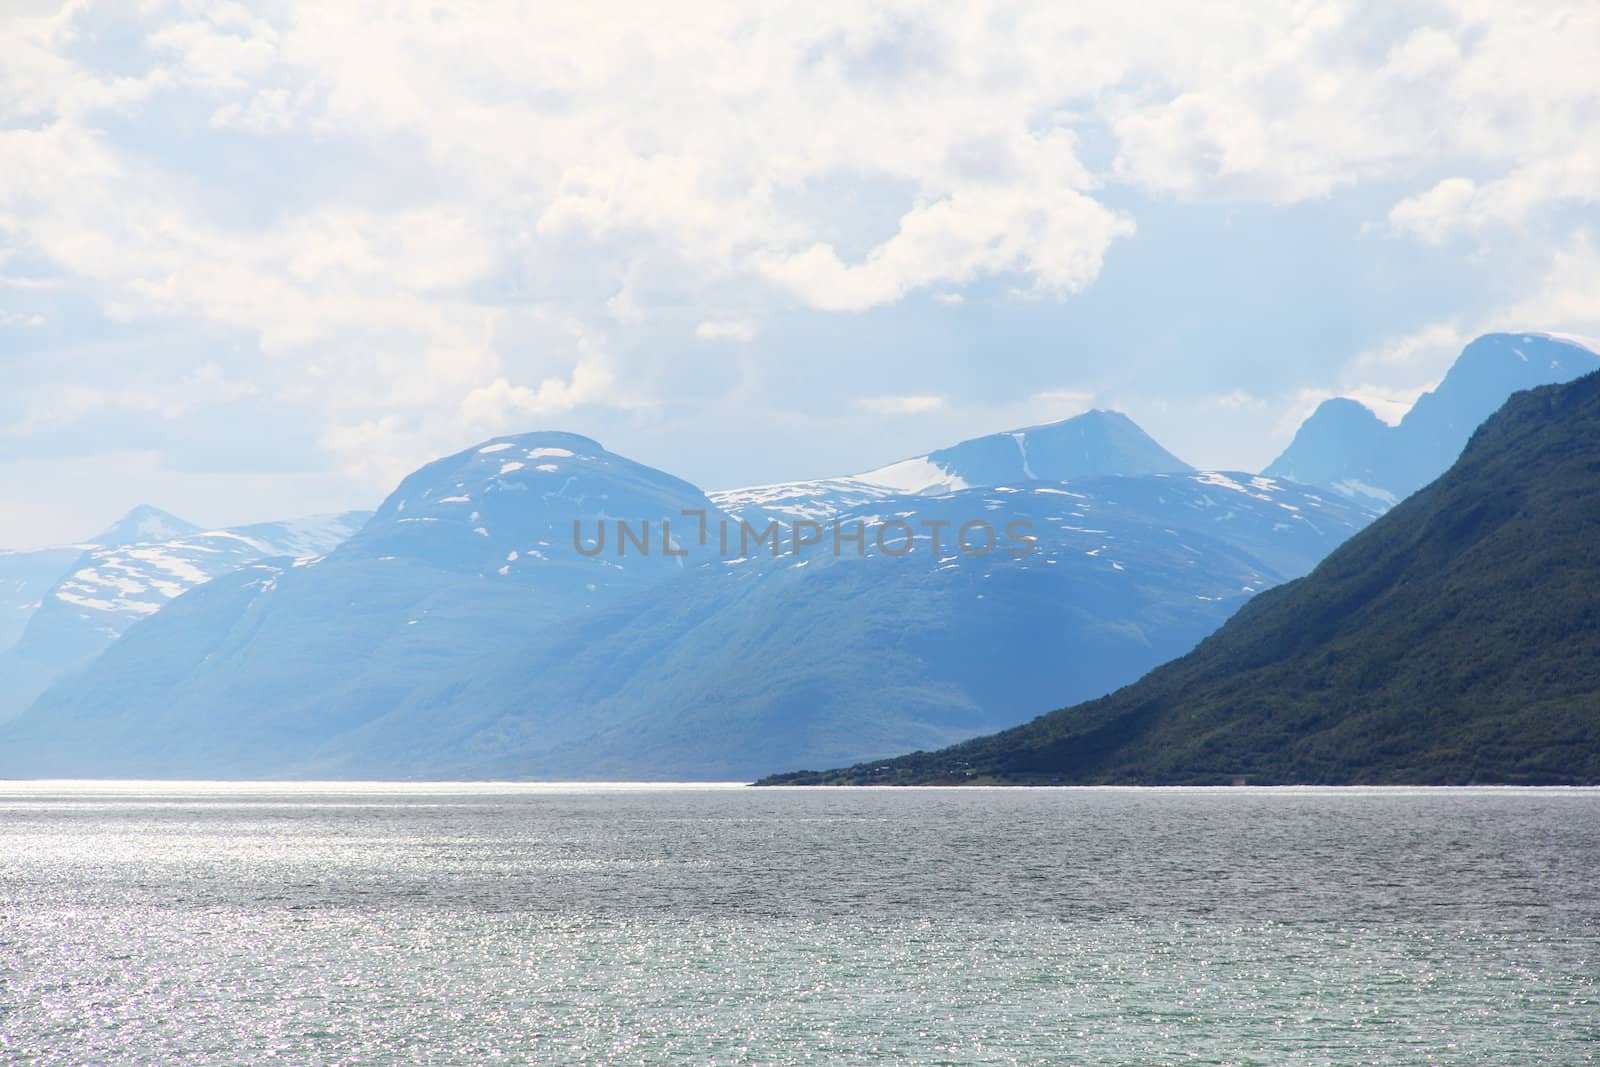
{"x":460,"y":633}
{"x":1344,"y":446}
{"x":1454,"y":640}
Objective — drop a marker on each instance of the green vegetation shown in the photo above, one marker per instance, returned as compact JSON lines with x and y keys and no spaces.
{"x":1456,"y":640}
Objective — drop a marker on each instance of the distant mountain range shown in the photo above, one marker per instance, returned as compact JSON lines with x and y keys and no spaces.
{"x":461,"y":632}
{"x":1344,"y":446}
{"x":26,"y":578}
{"x":537,"y":606}
{"x":1456,"y":640}
{"x":69,"y":604}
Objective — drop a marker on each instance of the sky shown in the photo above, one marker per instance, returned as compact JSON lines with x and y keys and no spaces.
{"x":262,"y":260}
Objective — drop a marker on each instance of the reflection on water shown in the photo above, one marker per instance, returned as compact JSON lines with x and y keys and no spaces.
{"x":445,"y":923}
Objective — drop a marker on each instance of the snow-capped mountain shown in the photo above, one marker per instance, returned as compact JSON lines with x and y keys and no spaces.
{"x":1090,"y":445}
{"x":1344,"y":446}
{"x":506,"y":510}
{"x":109,"y":586}
{"x":462,"y":631}
{"x":26,"y":578}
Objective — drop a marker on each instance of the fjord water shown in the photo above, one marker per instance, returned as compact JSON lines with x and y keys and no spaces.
{"x":318,"y":923}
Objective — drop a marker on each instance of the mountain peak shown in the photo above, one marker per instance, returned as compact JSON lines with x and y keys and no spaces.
{"x":501,"y":506}
{"x":1095,"y":444}
{"x":1344,"y":446}
{"x":1341,"y":445}
{"x":144,"y":523}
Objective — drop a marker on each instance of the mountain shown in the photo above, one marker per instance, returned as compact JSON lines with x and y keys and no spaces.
{"x":143,"y":525}
{"x":1456,"y":639}
{"x":471,"y":553}
{"x":1092,"y":445}
{"x":107,"y":587}
{"x":1344,"y":446}
{"x":26,"y":578}
{"x":462,"y":633}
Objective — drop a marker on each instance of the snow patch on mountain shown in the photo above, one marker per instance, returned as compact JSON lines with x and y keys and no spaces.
{"x":920,"y":476}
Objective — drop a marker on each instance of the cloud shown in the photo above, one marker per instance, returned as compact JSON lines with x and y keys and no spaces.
{"x":1421,"y":354}
{"x":1460,"y":205}
{"x":1306,"y":99}
{"x":1432,"y":215}
{"x":1566,"y":299}
{"x":900,"y":405}
{"x":725,"y":330}
{"x":1058,"y":238}
{"x":417,"y":222}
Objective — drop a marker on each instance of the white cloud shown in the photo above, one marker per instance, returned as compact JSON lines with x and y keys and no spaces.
{"x":1421,"y":355}
{"x":900,"y":405}
{"x":1566,"y":299}
{"x":1057,"y":237}
{"x":437,"y":220}
{"x":725,"y":330}
{"x":1299,"y":103}
{"x":1430,"y":216}
{"x":1458,"y":205}
{"x":210,"y":56}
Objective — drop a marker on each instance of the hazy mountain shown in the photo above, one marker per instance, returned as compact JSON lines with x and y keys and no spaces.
{"x":1454,"y":640}
{"x":1345,"y":446}
{"x":730,"y":671}
{"x":462,"y":633}
{"x":470,"y":553}
{"x":107,"y":587}
{"x":1094,"y":444}
{"x":1090,"y":445}
{"x":142,"y":525}
{"x":26,"y":578}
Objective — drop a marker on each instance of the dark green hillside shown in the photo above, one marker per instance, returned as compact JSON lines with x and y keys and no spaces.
{"x":1455,"y":640}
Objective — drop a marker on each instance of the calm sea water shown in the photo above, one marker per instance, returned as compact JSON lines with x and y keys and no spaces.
{"x":354,"y":924}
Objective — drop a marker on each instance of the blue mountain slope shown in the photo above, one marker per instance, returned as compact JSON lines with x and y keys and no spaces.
{"x":1345,"y":446}
{"x":27,"y":578}
{"x":742,"y":667}
{"x":1092,"y":445}
{"x":107,"y":587}
{"x":460,"y":633}
{"x":470,"y":553}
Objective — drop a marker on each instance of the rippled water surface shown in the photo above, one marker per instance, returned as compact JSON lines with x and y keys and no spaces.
{"x":194,"y":923}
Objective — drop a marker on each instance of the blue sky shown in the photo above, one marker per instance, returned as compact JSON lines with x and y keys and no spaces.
{"x":260,"y":260}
